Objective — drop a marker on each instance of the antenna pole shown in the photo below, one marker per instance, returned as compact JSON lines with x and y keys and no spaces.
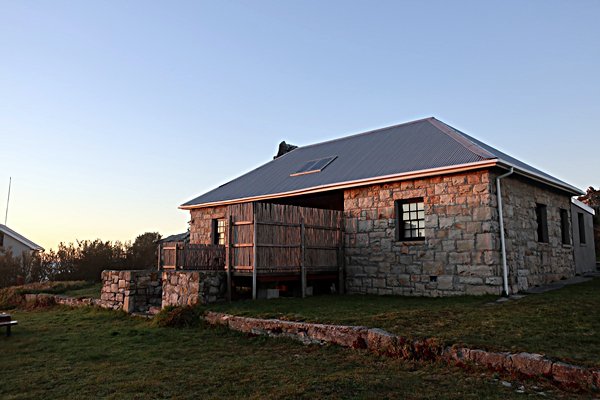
{"x":7,"y":200}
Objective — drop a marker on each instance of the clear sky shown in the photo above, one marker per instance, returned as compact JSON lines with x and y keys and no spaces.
{"x":112,"y":113}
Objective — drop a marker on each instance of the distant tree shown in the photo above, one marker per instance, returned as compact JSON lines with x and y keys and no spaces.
{"x":84,"y":260}
{"x":10,"y":268}
{"x":143,"y":251}
{"x":591,"y":198}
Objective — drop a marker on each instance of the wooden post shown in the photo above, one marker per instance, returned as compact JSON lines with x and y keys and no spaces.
{"x":302,"y":258}
{"x":175,"y":256}
{"x":254,"y":258}
{"x":228,"y":256}
{"x":341,"y":258}
{"x":159,"y":255}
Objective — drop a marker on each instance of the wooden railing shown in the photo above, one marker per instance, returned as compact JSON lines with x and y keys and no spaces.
{"x":283,"y":240}
{"x":193,"y":256}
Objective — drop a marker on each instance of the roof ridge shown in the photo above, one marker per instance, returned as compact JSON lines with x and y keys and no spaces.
{"x":365,"y":133}
{"x":459,"y":137}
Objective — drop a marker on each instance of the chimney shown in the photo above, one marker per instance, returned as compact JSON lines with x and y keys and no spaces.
{"x":284,"y":148}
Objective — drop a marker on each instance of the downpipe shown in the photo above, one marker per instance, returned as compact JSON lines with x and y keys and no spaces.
{"x":502,"y":241}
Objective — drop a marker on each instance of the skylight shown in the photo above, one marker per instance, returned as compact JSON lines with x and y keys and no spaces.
{"x":313,"y":166}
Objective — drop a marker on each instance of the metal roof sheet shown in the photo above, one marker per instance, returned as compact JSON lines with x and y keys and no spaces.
{"x":413,"y":146}
{"x":20,"y":238}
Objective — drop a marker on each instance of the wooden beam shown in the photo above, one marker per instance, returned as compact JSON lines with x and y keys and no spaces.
{"x":302,"y":259}
{"x":175,"y":257}
{"x":228,"y":256}
{"x":341,"y":258}
{"x":159,"y":255}
{"x":242,"y":223}
{"x":254,"y":257}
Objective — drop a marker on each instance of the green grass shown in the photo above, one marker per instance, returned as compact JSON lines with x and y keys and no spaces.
{"x":563,"y":323}
{"x":89,"y":353}
{"x":92,"y":290}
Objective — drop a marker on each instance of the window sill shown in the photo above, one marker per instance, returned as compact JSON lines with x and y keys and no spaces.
{"x":411,"y":242}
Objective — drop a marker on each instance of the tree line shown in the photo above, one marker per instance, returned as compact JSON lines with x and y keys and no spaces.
{"x":83,"y":260}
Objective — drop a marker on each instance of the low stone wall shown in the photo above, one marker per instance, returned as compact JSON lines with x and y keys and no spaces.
{"x":382,"y":342}
{"x":183,"y":288}
{"x":46,"y":299}
{"x":132,"y":290}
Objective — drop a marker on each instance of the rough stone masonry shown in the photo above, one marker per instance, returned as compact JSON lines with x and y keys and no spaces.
{"x":132,"y":290}
{"x":461,"y":251}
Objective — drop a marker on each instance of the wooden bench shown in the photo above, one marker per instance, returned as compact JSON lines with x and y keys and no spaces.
{"x":5,"y":320}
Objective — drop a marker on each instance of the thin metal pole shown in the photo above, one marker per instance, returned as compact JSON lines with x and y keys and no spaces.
{"x":502,"y":239}
{"x":7,"y":200}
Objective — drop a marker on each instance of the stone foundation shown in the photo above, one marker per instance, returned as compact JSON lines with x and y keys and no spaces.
{"x":132,"y":290}
{"x":183,"y":288}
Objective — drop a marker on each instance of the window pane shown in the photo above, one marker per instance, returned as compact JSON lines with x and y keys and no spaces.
{"x":407,"y":226}
{"x":421,"y":233}
{"x":421,"y":215}
{"x":405,"y":207}
{"x":421,"y":224}
{"x":413,"y":225}
{"x":405,"y":216}
{"x":413,"y":215}
{"x":420,"y":206}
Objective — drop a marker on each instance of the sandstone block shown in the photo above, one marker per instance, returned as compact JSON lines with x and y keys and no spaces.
{"x":531,"y":364}
{"x":572,"y":375}
{"x":382,"y":342}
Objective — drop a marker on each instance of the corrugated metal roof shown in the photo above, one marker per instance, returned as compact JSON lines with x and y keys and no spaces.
{"x":180,"y":237}
{"x":410,"y":147}
{"x":20,"y":238}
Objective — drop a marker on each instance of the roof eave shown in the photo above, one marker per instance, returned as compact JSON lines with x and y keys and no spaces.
{"x":542,"y":179}
{"x":21,"y":239}
{"x":354,"y":183}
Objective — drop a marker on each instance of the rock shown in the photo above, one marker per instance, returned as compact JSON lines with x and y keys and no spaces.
{"x":494,"y":361}
{"x":571,"y":375}
{"x":531,"y":364}
{"x":382,"y":342}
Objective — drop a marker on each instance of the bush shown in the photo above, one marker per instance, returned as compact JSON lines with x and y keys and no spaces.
{"x":178,"y":317}
{"x":84,"y":260}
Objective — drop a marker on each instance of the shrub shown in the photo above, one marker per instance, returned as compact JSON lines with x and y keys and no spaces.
{"x":178,"y":317}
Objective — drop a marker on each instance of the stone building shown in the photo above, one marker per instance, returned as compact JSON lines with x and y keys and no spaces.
{"x":427,"y":210}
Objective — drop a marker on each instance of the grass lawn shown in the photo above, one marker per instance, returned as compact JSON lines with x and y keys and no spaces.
{"x":89,"y":353}
{"x":92,"y":290}
{"x":563,"y":323}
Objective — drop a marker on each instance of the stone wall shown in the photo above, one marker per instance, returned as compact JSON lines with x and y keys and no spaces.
{"x":182,"y":288}
{"x":528,"y":365}
{"x":132,"y":290}
{"x":461,"y":252}
{"x":201,"y":223}
{"x":533,"y":263}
